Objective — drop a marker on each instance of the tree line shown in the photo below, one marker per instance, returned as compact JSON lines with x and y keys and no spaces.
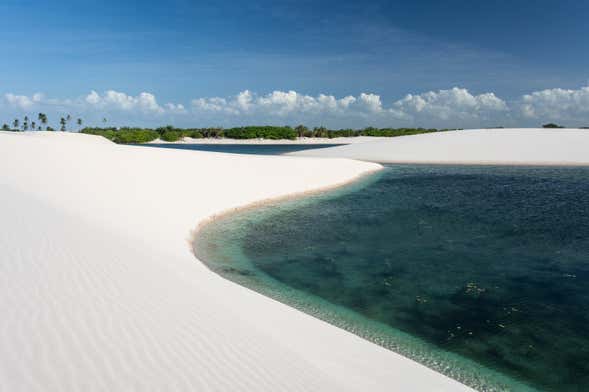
{"x":131,"y":135}
{"x":170,"y":134}
{"x":30,"y":124}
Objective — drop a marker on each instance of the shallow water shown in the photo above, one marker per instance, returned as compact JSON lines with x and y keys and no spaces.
{"x":481,"y":273}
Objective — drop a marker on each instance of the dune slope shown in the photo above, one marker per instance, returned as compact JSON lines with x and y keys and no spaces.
{"x":477,"y":146}
{"x":99,"y":290}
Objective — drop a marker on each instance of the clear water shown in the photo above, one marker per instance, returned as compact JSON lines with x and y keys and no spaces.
{"x":257,"y":149}
{"x":481,"y":273}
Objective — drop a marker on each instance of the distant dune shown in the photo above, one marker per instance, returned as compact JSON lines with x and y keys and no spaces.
{"x":99,"y":290}
{"x":477,"y":146}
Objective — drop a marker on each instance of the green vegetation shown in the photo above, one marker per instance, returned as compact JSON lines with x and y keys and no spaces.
{"x":130,"y":135}
{"x":551,"y":125}
{"x":265,"y":132}
{"x":172,"y":134}
{"x":124,"y":135}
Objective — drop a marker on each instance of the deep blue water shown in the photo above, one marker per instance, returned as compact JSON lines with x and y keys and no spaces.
{"x":258,"y":149}
{"x":481,"y":273}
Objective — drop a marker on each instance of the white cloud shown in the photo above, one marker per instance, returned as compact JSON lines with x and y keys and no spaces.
{"x":214,"y":104}
{"x":455,"y":107}
{"x":444,"y":106}
{"x":93,"y":98}
{"x":557,"y":104}
{"x":144,"y":102}
{"x":244,"y":100}
{"x":454,"y":104}
{"x":175,"y":108}
{"x":371,"y":102}
{"x":21,"y":101}
{"x":37,"y":97}
{"x":287,"y":103}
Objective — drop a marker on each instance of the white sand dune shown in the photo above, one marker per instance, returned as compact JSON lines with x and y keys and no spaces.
{"x":478,"y":146}
{"x":99,"y":290}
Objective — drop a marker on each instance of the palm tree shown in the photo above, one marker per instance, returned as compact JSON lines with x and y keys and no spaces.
{"x":104,"y":120}
{"x":301,"y":130}
{"x":79,"y":122}
{"x":15,"y":123}
{"x":62,"y":122}
{"x":25,"y":124}
{"x":320,"y":132}
{"x":42,"y":118}
{"x":33,"y":125}
{"x":5,"y":127}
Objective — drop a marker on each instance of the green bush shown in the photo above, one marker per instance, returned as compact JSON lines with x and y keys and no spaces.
{"x":262,"y":132}
{"x":124,"y":135}
{"x":551,"y":125}
{"x":171,"y":134}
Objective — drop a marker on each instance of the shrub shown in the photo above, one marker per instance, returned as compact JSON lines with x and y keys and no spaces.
{"x":171,"y":136}
{"x":551,"y":125}
{"x":265,"y":132}
{"x":124,"y":135}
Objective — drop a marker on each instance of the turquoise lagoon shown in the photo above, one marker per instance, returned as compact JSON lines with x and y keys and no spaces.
{"x":481,"y":273}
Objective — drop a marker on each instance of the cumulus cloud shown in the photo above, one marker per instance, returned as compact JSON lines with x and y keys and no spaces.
{"x":93,"y":98}
{"x":445,"y":105}
{"x":371,"y":102}
{"x":288,"y":103}
{"x":244,"y":100}
{"x":456,"y":103}
{"x":175,"y":108}
{"x":145,"y":102}
{"x":276,"y":103}
{"x":556,"y":104}
{"x":215,"y":104}
{"x":110,"y":100}
{"x":22,"y":101}
{"x":455,"y":107}
{"x":117,"y":107}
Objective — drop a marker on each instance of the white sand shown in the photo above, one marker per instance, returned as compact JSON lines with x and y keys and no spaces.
{"x":486,"y":146}
{"x":99,"y":290}
{"x":300,"y":140}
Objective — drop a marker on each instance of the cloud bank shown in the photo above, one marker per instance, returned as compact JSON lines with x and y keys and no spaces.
{"x":444,"y":106}
{"x":455,"y":107}
{"x":557,"y":104}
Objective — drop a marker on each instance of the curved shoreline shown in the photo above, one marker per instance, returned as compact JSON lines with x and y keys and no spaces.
{"x":413,"y":348}
{"x":120,"y":314}
{"x":272,"y":200}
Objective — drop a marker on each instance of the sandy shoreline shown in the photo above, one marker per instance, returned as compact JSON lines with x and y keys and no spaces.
{"x":259,"y":203}
{"x":519,"y":146}
{"x":100,"y":291}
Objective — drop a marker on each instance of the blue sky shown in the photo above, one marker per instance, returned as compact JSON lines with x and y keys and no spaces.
{"x":531,"y":56}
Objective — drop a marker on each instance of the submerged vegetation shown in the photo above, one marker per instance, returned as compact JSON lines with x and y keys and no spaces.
{"x":171,"y":134}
